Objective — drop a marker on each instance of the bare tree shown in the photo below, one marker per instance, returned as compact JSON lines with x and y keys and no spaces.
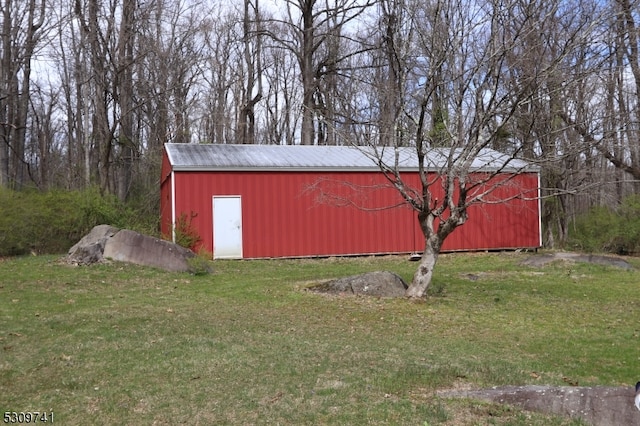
{"x":282,"y":101}
{"x":537,"y":126}
{"x":457,"y":100}
{"x":316,"y":29}
{"x":22,"y":29}
{"x":71,"y":53}
{"x":610,"y":125}
{"x":224,"y":86}
{"x":252,"y":91}
{"x":127,"y":138}
{"x":42,"y":145}
{"x":127,"y":71}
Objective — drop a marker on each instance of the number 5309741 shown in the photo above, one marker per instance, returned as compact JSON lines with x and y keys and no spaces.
{"x":28,"y":417}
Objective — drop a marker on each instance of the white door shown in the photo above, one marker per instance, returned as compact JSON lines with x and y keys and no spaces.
{"x":227,"y":227}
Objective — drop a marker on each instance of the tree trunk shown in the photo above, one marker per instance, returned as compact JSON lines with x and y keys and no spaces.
{"x":307,"y":132}
{"x":246,"y":120}
{"x":308,"y":88}
{"x":35,"y":20}
{"x":127,"y":140}
{"x":432,"y":245}
{"x":6,"y":61}
{"x":424,"y":273}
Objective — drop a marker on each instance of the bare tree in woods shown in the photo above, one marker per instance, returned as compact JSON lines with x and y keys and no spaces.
{"x":71,"y":55}
{"x":607,"y":119}
{"x":281,"y":103}
{"x":127,"y":71}
{"x":317,"y":29}
{"x":98,"y":30}
{"x":172,"y":55}
{"x":107,"y":46}
{"x":252,"y":54}
{"x":548,"y":36}
{"x":217,"y":124}
{"x":43,"y":145}
{"x":22,"y":29}
{"x":456,"y":101}
{"x":127,"y":137}
{"x":234,"y":75}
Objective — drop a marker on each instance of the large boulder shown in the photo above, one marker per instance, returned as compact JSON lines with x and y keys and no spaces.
{"x":130,"y":246}
{"x":90,"y":248}
{"x":379,"y":283}
{"x":107,"y":242}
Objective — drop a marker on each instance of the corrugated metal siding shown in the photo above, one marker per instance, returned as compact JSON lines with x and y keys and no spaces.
{"x":286,"y":215}
{"x":502,"y":224}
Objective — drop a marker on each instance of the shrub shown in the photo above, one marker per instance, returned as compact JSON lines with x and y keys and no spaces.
{"x":186,"y":234}
{"x":605,"y":229}
{"x":51,"y":222}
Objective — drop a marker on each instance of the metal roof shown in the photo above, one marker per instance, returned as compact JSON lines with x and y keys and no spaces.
{"x":210,"y":157}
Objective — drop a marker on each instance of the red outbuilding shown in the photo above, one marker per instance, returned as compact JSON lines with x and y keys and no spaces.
{"x":262,"y":201}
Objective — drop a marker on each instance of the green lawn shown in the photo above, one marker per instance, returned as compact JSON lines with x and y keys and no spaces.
{"x":120,"y":344}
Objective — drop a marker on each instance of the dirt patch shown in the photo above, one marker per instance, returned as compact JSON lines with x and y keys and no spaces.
{"x":541,"y":260}
{"x":598,"y":405}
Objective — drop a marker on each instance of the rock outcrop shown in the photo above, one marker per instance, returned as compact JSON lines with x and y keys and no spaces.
{"x":544,"y":259}
{"x":598,"y":405}
{"x":379,"y":283}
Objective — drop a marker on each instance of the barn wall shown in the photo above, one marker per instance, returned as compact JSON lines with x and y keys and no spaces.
{"x":289,"y":214}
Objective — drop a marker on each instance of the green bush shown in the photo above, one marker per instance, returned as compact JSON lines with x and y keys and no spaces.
{"x":51,"y":222}
{"x":610,"y":230}
{"x":186,"y":235}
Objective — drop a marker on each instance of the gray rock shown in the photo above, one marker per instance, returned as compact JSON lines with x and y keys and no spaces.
{"x":379,"y":283}
{"x":130,"y":246}
{"x":107,"y":242}
{"x":598,"y":405}
{"x":90,"y":248}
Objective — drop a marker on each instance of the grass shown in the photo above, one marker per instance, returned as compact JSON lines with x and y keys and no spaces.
{"x":121,"y":344}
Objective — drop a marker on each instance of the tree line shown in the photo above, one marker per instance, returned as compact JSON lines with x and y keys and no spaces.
{"x":91,"y":90}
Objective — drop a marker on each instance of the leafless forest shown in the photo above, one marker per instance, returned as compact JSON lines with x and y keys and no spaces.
{"x":90,"y":90}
